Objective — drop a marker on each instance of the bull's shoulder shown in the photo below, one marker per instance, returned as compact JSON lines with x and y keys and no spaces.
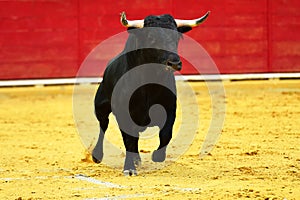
{"x":116,"y":67}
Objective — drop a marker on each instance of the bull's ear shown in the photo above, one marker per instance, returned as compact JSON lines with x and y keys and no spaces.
{"x":184,"y":29}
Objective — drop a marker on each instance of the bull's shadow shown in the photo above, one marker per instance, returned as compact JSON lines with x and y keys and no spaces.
{"x":139,"y":88}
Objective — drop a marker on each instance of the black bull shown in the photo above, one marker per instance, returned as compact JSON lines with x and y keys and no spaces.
{"x":150,"y":52}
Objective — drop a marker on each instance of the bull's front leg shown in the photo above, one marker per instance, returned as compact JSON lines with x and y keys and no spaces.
{"x":165,"y":135}
{"x":102,"y":112}
{"x":97,"y":153}
{"x":132,"y":159}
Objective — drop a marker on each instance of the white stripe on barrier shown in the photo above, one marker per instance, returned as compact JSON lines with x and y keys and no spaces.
{"x":30,"y":82}
{"x":213,"y":77}
{"x":87,"y":80}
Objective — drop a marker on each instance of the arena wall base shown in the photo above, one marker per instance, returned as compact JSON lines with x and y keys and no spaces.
{"x":93,"y":80}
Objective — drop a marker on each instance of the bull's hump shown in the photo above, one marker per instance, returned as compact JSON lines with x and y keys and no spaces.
{"x":163,"y":21}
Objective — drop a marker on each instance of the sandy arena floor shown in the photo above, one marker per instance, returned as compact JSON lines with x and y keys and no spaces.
{"x":257,"y":156}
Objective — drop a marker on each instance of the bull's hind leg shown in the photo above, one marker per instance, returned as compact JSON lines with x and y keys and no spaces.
{"x":102,"y":112}
{"x":165,"y":135}
{"x":132,"y":159}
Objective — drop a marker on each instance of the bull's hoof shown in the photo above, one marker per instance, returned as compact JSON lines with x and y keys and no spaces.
{"x":159,"y":156}
{"x":97,"y":157}
{"x":130,"y":172}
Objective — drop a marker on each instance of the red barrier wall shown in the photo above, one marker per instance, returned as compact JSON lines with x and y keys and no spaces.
{"x":50,"y":38}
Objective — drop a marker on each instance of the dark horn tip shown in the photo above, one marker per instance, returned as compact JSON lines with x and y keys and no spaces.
{"x":207,"y":13}
{"x":203,"y":18}
{"x":122,"y":14}
{"x":123,"y":19}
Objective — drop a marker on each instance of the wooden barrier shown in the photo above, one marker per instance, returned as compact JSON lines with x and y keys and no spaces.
{"x":50,"y":39}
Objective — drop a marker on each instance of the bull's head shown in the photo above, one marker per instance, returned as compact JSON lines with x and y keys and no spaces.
{"x":160,"y":36}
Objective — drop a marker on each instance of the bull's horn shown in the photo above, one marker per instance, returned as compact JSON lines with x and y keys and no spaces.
{"x":193,"y":22}
{"x":131,"y":23}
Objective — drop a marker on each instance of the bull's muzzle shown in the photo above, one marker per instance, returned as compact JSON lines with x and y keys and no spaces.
{"x":173,"y":62}
{"x":175,"y":65}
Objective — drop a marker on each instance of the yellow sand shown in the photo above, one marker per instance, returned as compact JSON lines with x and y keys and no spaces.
{"x":257,"y":155}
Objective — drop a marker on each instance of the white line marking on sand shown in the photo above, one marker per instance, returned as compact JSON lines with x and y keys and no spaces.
{"x":124,"y":196}
{"x":30,"y":178}
{"x":82,"y":177}
{"x":98,"y":182}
